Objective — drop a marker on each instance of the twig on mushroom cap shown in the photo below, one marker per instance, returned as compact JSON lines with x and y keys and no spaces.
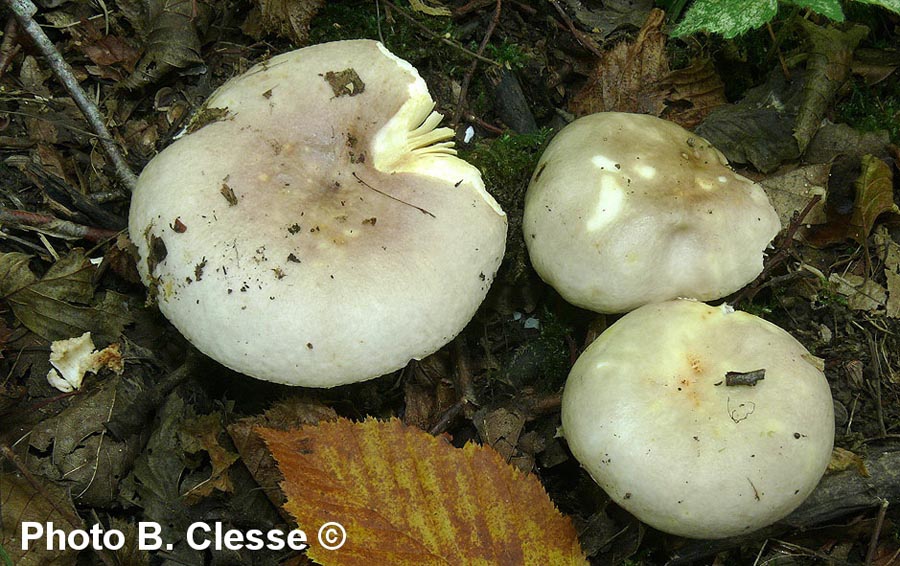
{"x":23,"y":11}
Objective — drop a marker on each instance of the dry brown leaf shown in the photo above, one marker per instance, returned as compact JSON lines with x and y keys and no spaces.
{"x":111,"y":50}
{"x":287,"y":415}
{"x":626,"y":78}
{"x":62,"y":303}
{"x":892,"y":308}
{"x":201,"y":434}
{"x":862,"y":294}
{"x":790,"y":192}
{"x":170,"y":31}
{"x":101,"y":48}
{"x":842,"y":459}
{"x":5,"y":333}
{"x":874,"y":65}
{"x":284,"y":18}
{"x":408,"y":498}
{"x":39,"y":501}
{"x":634,"y":76}
{"x":692,"y":93}
{"x":500,"y":429}
{"x":874,"y":196}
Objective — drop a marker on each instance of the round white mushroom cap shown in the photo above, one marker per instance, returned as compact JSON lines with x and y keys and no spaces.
{"x":652,"y":411}
{"x":628,"y":209}
{"x":320,"y":229}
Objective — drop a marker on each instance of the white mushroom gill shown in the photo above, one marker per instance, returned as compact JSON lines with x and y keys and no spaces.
{"x":412,"y":142}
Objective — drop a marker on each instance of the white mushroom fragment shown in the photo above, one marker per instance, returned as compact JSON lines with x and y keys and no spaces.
{"x":320,"y":229}
{"x":74,"y":357}
{"x":701,"y":421}
{"x":627,"y":209}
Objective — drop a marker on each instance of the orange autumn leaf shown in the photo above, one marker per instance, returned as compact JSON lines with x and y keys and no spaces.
{"x":405,"y":497}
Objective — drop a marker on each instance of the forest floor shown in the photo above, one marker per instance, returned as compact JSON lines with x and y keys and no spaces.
{"x":506,"y":76}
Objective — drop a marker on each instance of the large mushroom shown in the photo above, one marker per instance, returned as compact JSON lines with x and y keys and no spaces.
{"x":627,"y":209}
{"x":701,"y":421}
{"x":316,"y":227}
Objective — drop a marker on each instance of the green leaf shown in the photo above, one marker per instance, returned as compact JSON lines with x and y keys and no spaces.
{"x":727,"y":17}
{"x":892,"y":5}
{"x":831,"y":9}
{"x":734,"y":17}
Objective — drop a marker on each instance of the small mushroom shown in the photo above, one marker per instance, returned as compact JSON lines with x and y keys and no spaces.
{"x":648,"y":411}
{"x":315,"y":227}
{"x":627,"y":209}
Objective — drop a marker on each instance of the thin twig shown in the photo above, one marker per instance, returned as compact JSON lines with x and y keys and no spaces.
{"x":777,"y":48}
{"x":448,"y":417}
{"x":23,"y":11}
{"x":784,"y":247}
{"x":470,"y":7}
{"x":580,"y":36}
{"x":875,"y":382}
{"x":463,"y":91}
{"x":392,"y":197}
{"x":378,"y":20}
{"x":462,"y":373}
{"x":54,"y":226}
{"x":876,"y":532}
{"x":406,"y":15}
{"x":23,"y":242}
{"x":482,"y":124}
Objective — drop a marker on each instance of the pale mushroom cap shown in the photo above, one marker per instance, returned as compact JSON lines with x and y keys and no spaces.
{"x":627,"y":209}
{"x":322,"y":231}
{"x":647,"y":413}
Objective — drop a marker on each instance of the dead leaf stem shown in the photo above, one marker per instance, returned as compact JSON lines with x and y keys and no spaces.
{"x":54,"y":226}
